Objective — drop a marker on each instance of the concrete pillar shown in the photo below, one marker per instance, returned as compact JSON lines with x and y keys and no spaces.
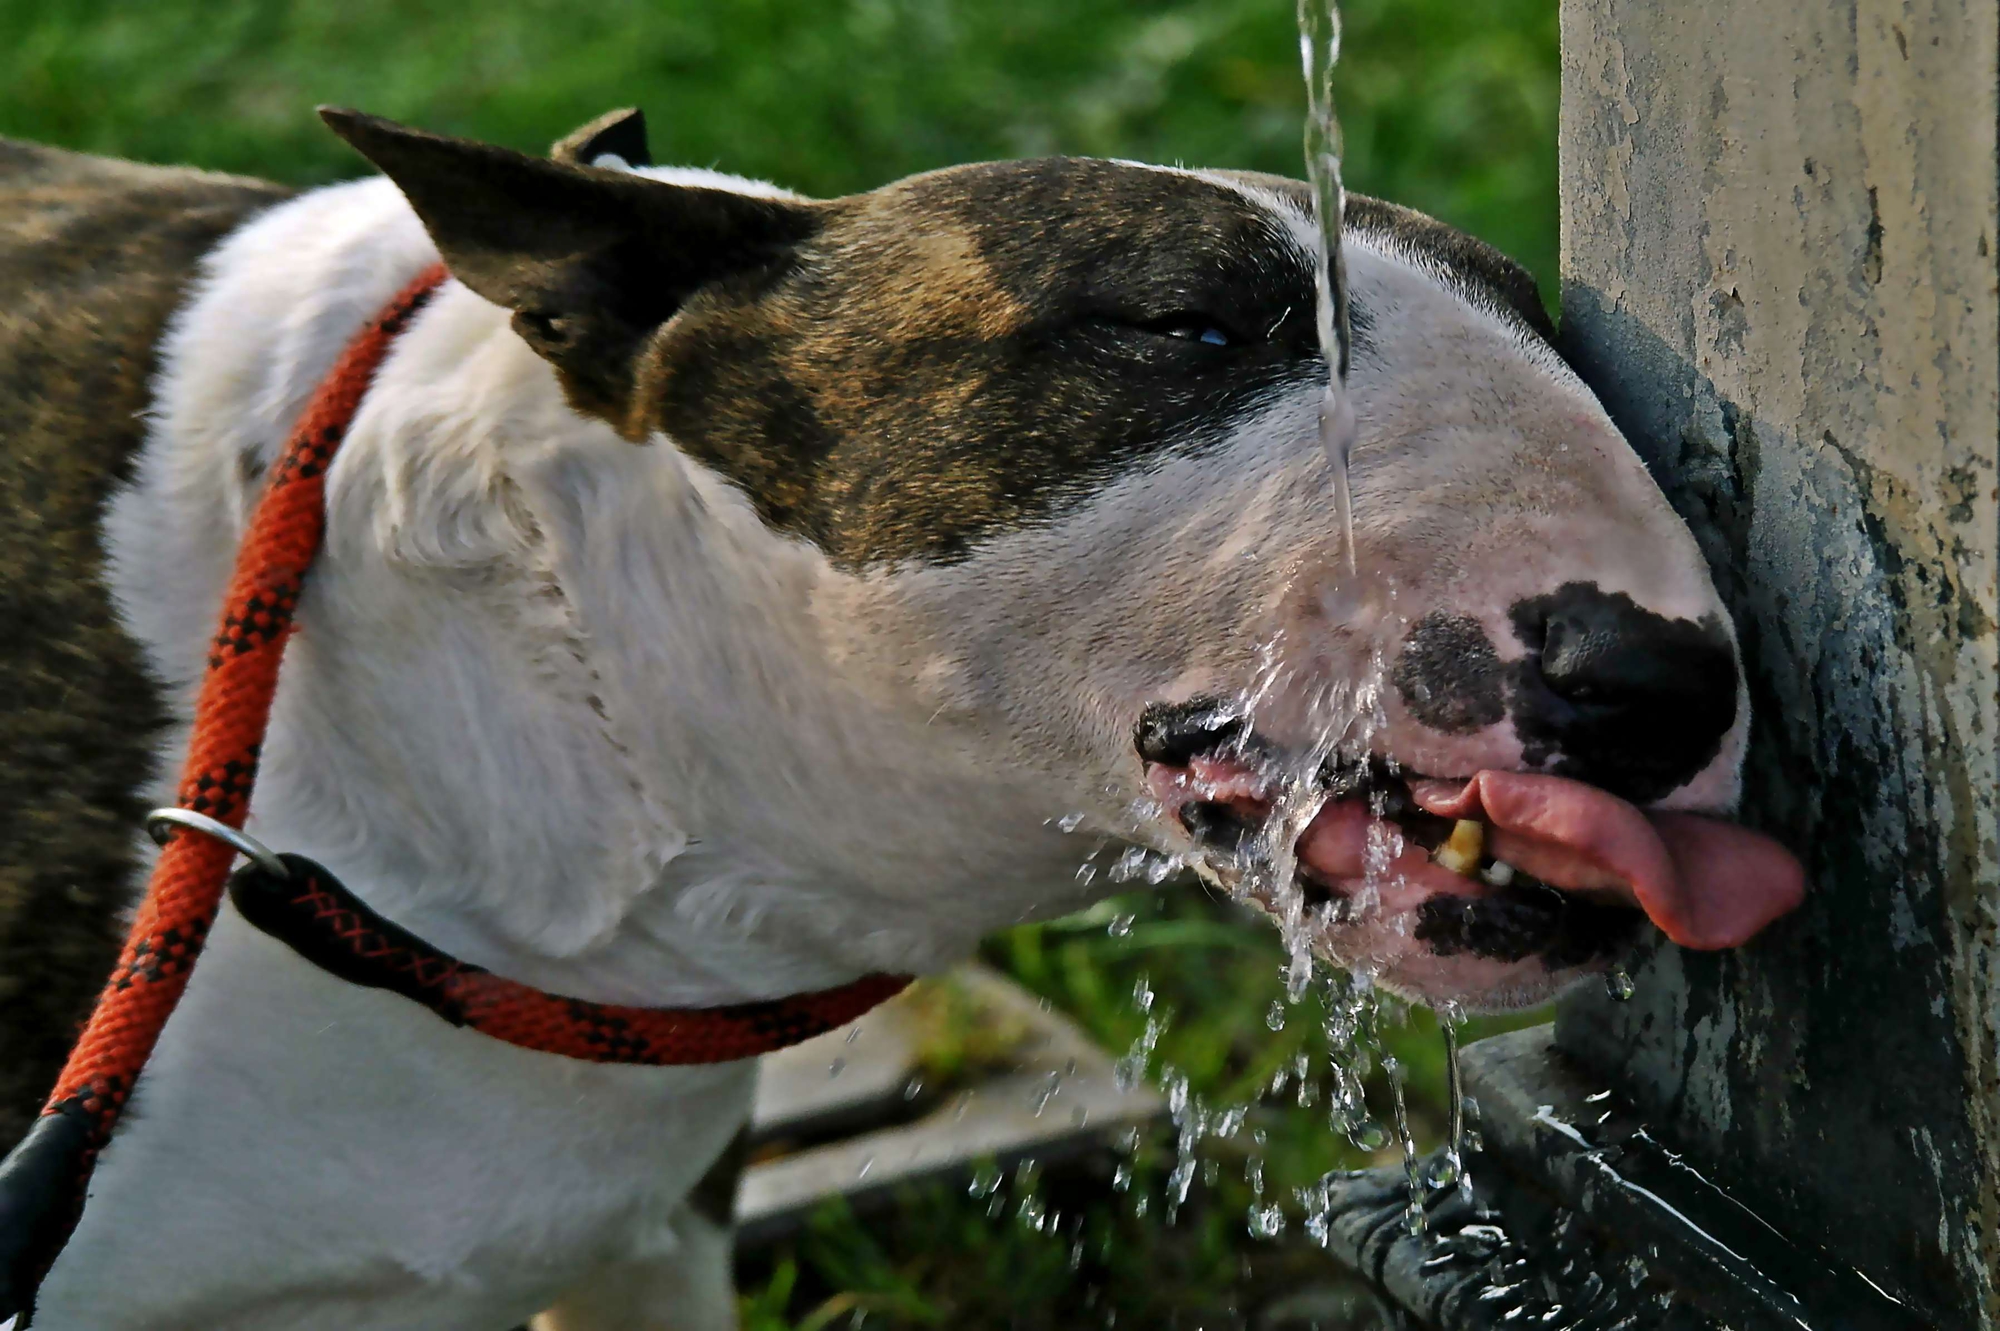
{"x":1779,"y":272}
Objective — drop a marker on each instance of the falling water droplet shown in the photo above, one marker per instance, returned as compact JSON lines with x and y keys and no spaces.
{"x":835,"y":1068}
{"x":1368,"y":1135}
{"x":1046,"y":1092}
{"x":1618,"y":983}
{"x":1298,"y":976}
{"x":1275,"y":1018}
{"x":1450,"y":1166}
{"x":1414,"y":1215}
{"x":1267,"y":1222}
{"x":1120,"y":926}
{"x":1032,"y":1212}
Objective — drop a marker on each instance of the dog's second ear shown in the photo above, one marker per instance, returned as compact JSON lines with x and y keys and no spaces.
{"x":620,"y":134}
{"x":591,"y":261}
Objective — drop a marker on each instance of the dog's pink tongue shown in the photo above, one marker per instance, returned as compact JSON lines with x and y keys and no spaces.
{"x":1705,"y":882}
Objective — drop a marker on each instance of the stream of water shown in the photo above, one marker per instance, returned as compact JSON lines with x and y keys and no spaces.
{"x":1319,"y":52}
{"x":1345,"y":714}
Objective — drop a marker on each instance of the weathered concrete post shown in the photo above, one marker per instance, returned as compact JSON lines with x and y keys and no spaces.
{"x":1779,"y":264}
{"x":1779,"y":271}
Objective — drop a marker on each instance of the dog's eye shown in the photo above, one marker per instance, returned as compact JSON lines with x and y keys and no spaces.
{"x":1191,"y":327}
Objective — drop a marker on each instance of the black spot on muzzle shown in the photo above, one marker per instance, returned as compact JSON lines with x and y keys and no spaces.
{"x":1449,"y":675}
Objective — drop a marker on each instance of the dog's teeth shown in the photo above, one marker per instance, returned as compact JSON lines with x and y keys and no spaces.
{"x":1499,"y":873}
{"x":1462,"y":850}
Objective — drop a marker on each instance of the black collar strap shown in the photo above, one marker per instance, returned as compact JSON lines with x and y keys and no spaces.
{"x":323,"y":922}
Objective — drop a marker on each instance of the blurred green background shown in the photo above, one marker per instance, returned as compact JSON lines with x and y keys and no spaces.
{"x":1447,"y":106}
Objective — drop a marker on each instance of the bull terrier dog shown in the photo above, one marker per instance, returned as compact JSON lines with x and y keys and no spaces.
{"x":727,"y":594}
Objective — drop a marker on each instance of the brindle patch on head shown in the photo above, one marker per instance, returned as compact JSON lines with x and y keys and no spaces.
{"x":895,"y":375}
{"x":94,"y":257}
{"x":974,"y":349}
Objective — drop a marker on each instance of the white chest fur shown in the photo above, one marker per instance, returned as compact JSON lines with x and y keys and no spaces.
{"x":308,"y":1154}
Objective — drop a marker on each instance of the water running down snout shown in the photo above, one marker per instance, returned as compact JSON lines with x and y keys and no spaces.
{"x":1560,"y":868}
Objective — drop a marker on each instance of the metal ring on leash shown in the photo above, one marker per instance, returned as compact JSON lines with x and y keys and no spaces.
{"x":161,"y":822}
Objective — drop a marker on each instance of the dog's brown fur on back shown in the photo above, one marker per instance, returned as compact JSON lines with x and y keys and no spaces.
{"x":95,"y":255}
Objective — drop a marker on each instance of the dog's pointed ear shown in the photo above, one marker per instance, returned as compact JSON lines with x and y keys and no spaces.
{"x":591,"y":261}
{"x":621,"y":134}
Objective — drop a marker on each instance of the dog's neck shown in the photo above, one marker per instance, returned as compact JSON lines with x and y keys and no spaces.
{"x":558,"y":703}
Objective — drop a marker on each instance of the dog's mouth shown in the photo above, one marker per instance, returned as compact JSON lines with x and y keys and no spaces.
{"x":1501,"y":866}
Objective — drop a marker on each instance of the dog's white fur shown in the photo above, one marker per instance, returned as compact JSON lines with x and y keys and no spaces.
{"x":564,"y":707}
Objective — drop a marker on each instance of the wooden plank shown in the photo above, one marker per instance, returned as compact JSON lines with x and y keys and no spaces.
{"x":1055,"y":1096}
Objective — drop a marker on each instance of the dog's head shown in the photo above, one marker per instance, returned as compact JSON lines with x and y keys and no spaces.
{"x":1046,"y":432}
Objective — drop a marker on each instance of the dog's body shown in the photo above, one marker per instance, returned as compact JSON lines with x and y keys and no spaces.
{"x":801,"y":690}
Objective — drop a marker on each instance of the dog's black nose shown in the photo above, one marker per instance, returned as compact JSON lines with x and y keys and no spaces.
{"x":1619,"y":696}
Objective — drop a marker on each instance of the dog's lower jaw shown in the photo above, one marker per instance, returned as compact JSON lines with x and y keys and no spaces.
{"x":426,"y":1175}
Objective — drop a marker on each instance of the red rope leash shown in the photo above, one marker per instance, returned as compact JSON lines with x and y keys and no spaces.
{"x":229,"y":720}
{"x":43,"y":1180}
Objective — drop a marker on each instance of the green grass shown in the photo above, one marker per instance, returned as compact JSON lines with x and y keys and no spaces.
{"x":1447,"y":106}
